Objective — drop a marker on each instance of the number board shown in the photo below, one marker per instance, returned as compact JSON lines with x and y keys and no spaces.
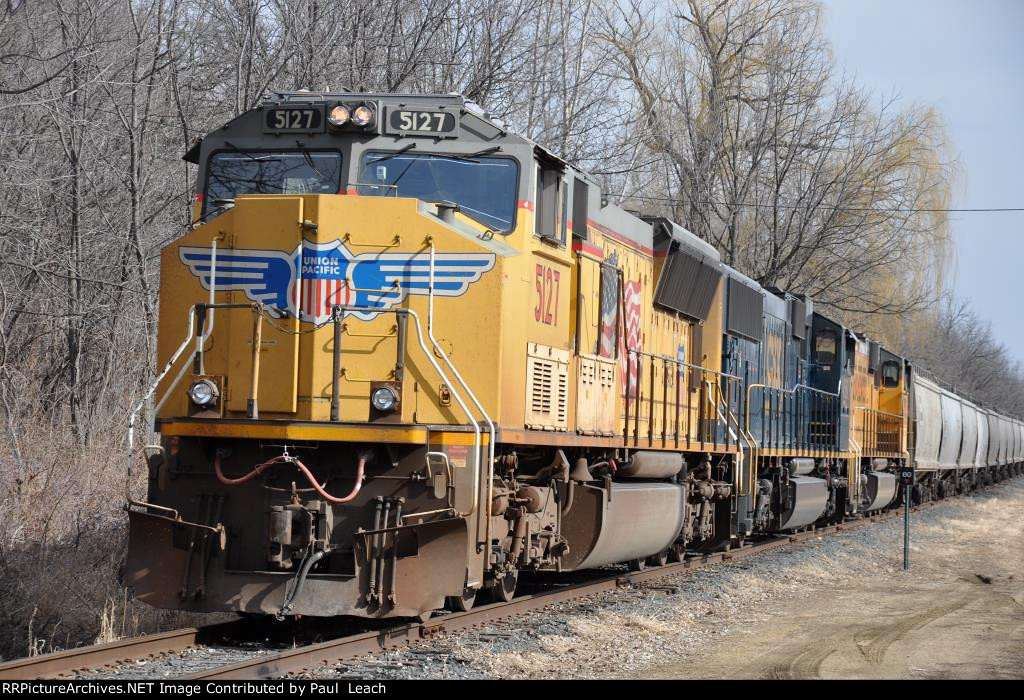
{"x":422,"y":122}
{"x":281,"y":119}
{"x":907,"y":476}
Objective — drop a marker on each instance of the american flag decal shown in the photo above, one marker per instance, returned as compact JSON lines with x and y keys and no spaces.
{"x":632,"y":299}
{"x":314,"y":277}
{"x":320,"y":296}
{"x":609,"y":306}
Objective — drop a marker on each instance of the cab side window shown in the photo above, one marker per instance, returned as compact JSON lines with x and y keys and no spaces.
{"x":552,"y":206}
{"x":890,"y":374}
{"x":580,"y":196}
{"x":825,"y":350}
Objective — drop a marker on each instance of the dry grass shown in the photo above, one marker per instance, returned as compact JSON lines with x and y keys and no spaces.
{"x":63,"y":537}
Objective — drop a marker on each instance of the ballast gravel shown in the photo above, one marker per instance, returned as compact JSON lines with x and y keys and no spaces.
{"x":664,"y":627}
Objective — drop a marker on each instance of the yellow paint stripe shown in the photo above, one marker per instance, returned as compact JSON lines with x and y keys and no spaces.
{"x":276,"y":431}
{"x":335,"y":433}
{"x":445,"y":438}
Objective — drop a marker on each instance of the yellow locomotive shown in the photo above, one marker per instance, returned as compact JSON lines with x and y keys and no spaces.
{"x":408,"y":354}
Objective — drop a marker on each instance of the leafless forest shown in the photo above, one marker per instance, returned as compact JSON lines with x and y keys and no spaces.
{"x":730,"y":117}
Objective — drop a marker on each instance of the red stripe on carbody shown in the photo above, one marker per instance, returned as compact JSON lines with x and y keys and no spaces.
{"x":621,"y":238}
{"x":588,"y":248}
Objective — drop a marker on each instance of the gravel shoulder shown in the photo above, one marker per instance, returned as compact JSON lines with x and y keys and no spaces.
{"x":836,"y":607}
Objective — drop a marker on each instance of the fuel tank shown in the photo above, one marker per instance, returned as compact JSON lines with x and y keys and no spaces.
{"x":629,"y":521}
{"x":881,"y":490}
{"x":808,"y":498}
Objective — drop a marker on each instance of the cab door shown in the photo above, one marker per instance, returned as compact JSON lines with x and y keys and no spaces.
{"x":264,"y":223}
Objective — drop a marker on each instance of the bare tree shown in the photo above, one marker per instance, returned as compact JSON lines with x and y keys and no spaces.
{"x":789,"y":169}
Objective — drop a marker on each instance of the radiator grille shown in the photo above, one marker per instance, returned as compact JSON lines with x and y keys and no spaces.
{"x":547,"y":395}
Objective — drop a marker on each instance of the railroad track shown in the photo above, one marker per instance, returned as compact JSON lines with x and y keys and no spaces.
{"x":63,"y":663}
{"x":293,"y":661}
{"x":313,"y":656}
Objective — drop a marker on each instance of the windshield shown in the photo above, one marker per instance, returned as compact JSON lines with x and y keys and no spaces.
{"x":262,"y":172}
{"x":484,"y":188}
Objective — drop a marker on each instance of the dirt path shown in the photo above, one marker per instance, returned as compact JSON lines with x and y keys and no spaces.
{"x":959,"y":612}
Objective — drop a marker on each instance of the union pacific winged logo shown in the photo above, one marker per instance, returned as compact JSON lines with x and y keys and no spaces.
{"x":328,"y":274}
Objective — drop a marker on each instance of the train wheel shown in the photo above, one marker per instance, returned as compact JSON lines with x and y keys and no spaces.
{"x":504,"y":589}
{"x":462,"y":603}
{"x":635,"y":564}
{"x":675,"y":554}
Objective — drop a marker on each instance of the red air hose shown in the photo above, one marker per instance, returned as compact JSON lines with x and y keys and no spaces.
{"x":260,"y":468}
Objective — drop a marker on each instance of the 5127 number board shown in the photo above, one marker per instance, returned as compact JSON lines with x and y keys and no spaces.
{"x":307,"y":119}
{"x":425,"y":122}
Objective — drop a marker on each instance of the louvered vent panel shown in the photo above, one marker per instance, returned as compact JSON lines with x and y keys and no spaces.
{"x":547,"y":392}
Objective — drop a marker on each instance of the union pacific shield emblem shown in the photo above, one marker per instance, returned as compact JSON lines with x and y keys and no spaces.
{"x":315,"y":277}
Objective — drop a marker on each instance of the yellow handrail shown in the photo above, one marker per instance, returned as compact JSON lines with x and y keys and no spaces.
{"x":862,"y":427}
{"x":395,"y":242}
{"x":345,"y":375}
{"x":352,"y":288}
{"x":347,"y":331}
{"x":855,"y":453}
{"x":754,"y":447}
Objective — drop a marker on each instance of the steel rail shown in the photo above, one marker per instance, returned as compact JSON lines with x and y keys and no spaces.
{"x":63,"y":663}
{"x":346,"y":648}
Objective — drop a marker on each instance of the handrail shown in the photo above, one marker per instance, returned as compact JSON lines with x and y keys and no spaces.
{"x":395,"y":242}
{"x":201,"y":339}
{"x":160,"y":377}
{"x":192,"y":313}
{"x":462,"y":405}
{"x":854,"y":486}
{"x":752,"y":446}
{"x":390,"y":334}
{"x":880,"y":412}
{"x":490,"y":424}
{"x":793,"y":392}
{"x":711,"y":382}
{"x":444,"y":377}
{"x":363,"y":380}
{"x":393,"y":289}
{"x":870,"y":430}
{"x":682,"y":363}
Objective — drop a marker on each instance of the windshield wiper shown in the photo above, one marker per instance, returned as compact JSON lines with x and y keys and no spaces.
{"x":308,"y":157}
{"x":250,"y":156}
{"x":387,"y":156}
{"x":471,"y":157}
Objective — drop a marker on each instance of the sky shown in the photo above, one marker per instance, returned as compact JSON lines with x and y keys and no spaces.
{"x":967,"y":60}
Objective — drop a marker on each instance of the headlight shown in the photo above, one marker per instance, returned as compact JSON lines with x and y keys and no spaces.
{"x":362,"y":115}
{"x":203,"y":392}
{"x":384,"y":399}
{"x":338,"y":115}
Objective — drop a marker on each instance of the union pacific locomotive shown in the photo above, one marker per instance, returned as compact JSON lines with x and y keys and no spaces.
{"x":408,"y":354}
